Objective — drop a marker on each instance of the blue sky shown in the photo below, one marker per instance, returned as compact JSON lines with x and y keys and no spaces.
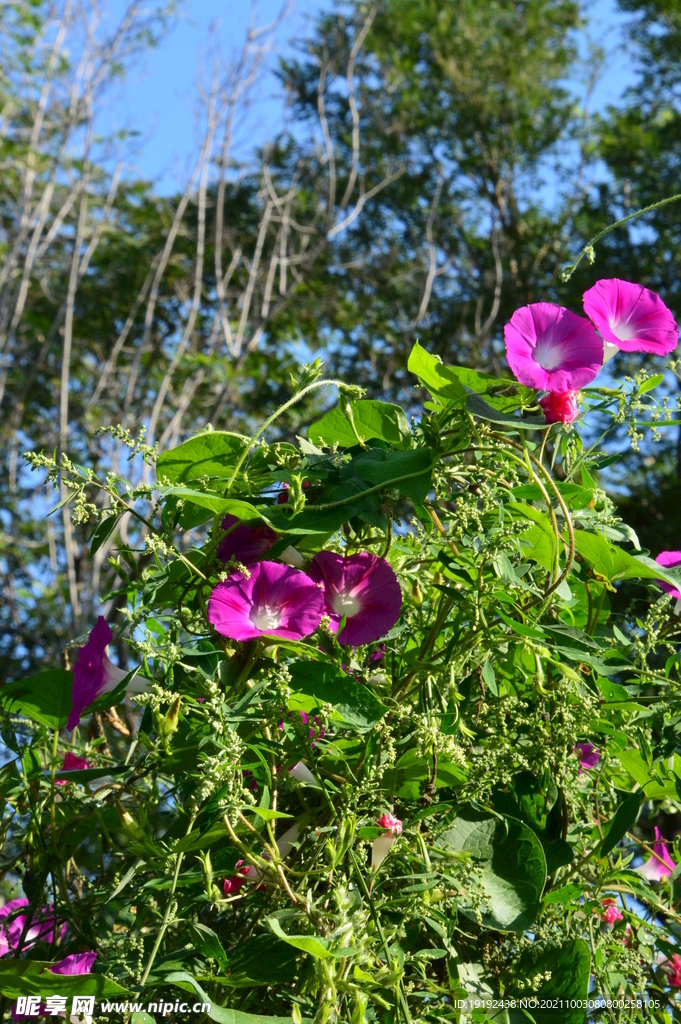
{"x":158,"y":96}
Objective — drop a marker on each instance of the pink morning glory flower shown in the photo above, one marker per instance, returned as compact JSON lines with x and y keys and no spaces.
{"x":245,"y":543}
{"x":94,"y":674}
{"x":588,"y":755}
{"x":391,"y":823}
{"x":377,"y":655}
{"x":276,"y":601}
{"x":672,"y":969}
{"x":76,"y":963}
{"x":660,"y":865}
{"x":669,"y":559}
{"x":611,"y":913}
{"x":560,"y":406}
{"x":361,"y":587}
{"x":233,"y":885}
{"x":550,"y":348}
{"x":380,"y":848}
{"x":40,"y":929}
{"x":630,"y":317}
{"x":71,"y":763}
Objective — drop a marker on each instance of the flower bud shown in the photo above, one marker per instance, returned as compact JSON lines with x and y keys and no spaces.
{"x":168,"y":724}
{"x":416,"y":594}
{"x":128,"y":822}
{"x":296,"y":1016}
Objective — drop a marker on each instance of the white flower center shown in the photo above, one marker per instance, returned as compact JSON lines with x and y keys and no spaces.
{"x":346,"y":604}
{"x":622,"y":330}
{"x":547,"y":355}
{"x":266,"y":618}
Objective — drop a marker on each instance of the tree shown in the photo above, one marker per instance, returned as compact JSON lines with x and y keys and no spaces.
{"x":469,"y":98}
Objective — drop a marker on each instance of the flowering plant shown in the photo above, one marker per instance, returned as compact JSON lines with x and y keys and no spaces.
{"x":402,"y":737}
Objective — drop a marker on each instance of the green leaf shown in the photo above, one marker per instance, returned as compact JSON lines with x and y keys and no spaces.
{"x":477,"y":406}
{"x":409,"y":471}
{"x":316,"y":947}
{"x":522,"y":630}
{"x":266,"y":813}
{"x":102,"y":532}
{"x":372,"y":420}
{"x":539,"y":540}
{"x":218,"y":506}
{"x":651,"y":383}
{"x":218,"y":1013}
{"x":440,"y":381}
{"x":489,"y":677}
{"x":573,"y":495}
{"x":623,"y":820}
{"x":355,"y":706}
{"x":209,"y":944}
{"x":33,"y":978}
{"x":44,"y":698}
{"x":407,"y":778}
{"x":212,"y":455}
{"x":512,"y":865}
{"x":262,"y":960}
{"x":566,"y":894}
{"x":570,"y":969}
{"x":612,"y":563}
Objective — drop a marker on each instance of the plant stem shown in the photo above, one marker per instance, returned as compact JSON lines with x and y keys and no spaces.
{"x":166,"y":916}
{"x":277,"y":412}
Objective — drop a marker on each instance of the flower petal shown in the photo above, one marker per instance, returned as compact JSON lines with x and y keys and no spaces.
{"x":631,"y":317}
{"x":549,"y":347}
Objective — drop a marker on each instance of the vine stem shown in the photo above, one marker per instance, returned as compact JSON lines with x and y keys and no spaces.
{"x":567,"y":273}
{"x":566,"y":515}
{"x":402,"y":1001}
{"x":166,"y":916}
{"x":341,"y":385}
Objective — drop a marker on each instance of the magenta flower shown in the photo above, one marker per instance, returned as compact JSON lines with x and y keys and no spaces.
{"x":76,"y":963}
{"x":550,"y":348}
{"x":71,"y":763}
{"x":361,"y":587}
{"x":233,"y":885}
{"x":275,"y":601}
{"x":611,"y":913}
{"x":245,"y":543}
{"x":660,"y":866}
{"x":672,"y":969}
{"x":669,"y":559}
{"x":560,"y":406}
{"x":377,"y":655}
{"x":391,"y":823}
{"x":380,"y":848}
{"x":630,"y":317}
{"x":94,"y":674}
{"x":41,"y":928}
{"x":588,"y":755}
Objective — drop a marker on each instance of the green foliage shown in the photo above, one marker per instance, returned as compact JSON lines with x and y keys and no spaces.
{"x":230,"y":838}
